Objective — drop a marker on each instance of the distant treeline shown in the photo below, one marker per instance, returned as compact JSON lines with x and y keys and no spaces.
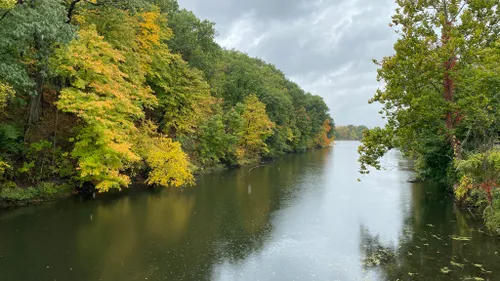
{"x":350,"y":132}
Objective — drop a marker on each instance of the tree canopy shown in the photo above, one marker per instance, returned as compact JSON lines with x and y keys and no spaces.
{"x":103,"y":93}
{"x":441,"y":91}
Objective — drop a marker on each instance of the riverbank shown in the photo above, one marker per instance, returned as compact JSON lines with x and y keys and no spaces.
{"x":11,"y":197}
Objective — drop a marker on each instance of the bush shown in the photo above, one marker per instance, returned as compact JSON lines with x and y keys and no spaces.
{"x":45,"y":191}
{"x":44,"y":162}
{"x":492,"y":214}
{"x":479,"y":185}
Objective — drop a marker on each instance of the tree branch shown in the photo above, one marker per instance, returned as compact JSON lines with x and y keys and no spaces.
{"x":459,"y":11}
{"x":71,"y":10}
{"x":4,"y":15}
{"x":19,"y":2}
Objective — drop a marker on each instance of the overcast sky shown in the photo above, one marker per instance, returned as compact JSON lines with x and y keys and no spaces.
{"x":326,"y":46}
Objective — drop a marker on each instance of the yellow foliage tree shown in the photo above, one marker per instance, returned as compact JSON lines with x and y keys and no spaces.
{"x":7,"y":4}
{"x":6,"y":92}
{"x":256,"y":127}
{"x":169,"y":165}
{"x":107,"y":103}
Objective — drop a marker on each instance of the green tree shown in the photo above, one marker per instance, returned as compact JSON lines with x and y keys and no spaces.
{"x":29,"y":32}
{"x":184,"y":97}
{"x":429,"y":93}
{"x":194,"y":39}
{"x":216,"y":141}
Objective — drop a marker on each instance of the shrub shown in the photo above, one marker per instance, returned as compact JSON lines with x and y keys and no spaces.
{"x":479,"y":185}
{"x":44,"y":162}
{"x":492,"y":213}
{"x":43,"y":192}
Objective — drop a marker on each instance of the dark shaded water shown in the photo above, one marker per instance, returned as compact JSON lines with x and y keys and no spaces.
{"x":304,"y":217}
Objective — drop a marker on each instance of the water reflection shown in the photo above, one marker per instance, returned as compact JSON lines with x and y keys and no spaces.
{"x":304,"y":217}
{"x":437,"y":242}
{"x":176,"y":234}
{"x":315,"y":238}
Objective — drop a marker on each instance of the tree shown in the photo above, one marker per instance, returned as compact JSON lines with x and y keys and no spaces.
{"x":350,"y":132}
{"x":322,"y":139}
{"x":7,"y":4}
{"x":184,"y":97}
{"x":216,"y":140}
{"x":6,"y":93}
{"x":164,"y":159}
{"x":256,"y":128}
{"x":108,"y":104}
{"x":137,"y":87}
{"x":169,"y":164}
{"x":426,"y":88}
{"x":29,"y":32}
{"x":194,"y":39}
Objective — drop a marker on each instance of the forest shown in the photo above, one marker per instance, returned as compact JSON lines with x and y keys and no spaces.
{"x":101,"y":94}
{"x":441,"y":99}
{"x":349,"y":132}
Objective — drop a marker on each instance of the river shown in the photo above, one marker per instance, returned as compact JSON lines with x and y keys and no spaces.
{"x":304,"y":217}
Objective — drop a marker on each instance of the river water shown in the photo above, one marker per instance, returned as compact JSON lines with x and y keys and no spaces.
{"x":304,"y":217}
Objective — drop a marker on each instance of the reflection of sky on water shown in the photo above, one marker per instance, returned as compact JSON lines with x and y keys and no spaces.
{"x":318,"y":236}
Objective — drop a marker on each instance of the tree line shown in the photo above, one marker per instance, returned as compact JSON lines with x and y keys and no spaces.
{"x":441,"y":99}
{"x":102,"y":93}
{"x":349,"y":132}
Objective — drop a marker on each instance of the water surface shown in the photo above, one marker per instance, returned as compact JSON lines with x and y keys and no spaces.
{"x":304,"y":217}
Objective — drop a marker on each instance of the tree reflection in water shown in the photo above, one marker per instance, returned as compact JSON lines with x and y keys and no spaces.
{"x":433,"y":244}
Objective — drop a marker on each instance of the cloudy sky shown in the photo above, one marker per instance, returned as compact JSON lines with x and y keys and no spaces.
{"x":326,"y":46}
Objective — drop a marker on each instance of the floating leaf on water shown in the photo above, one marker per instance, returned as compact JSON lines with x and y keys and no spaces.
{"x":473,"y":278}
{"x":454,"y":263}
{"x":445,"y":270}
{"x":437,"y":237}
{"x":460,"y":238}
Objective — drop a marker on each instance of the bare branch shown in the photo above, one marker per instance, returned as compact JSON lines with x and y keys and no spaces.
{"x":459,"y":11}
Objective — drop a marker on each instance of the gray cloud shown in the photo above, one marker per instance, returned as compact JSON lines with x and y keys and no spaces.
{"x":326,"y":46}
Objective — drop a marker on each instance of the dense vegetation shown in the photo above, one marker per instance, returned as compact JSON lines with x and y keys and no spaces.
{"x":349,"y":132}
{"x":441,"y":97}
{"x":100,"y":93}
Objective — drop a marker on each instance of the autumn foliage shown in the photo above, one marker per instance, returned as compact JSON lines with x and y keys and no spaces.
{"x":106,"y":93}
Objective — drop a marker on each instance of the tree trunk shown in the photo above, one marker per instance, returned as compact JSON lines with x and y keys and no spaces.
{"x":35,"y":105}
{"x":449,"y":93}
